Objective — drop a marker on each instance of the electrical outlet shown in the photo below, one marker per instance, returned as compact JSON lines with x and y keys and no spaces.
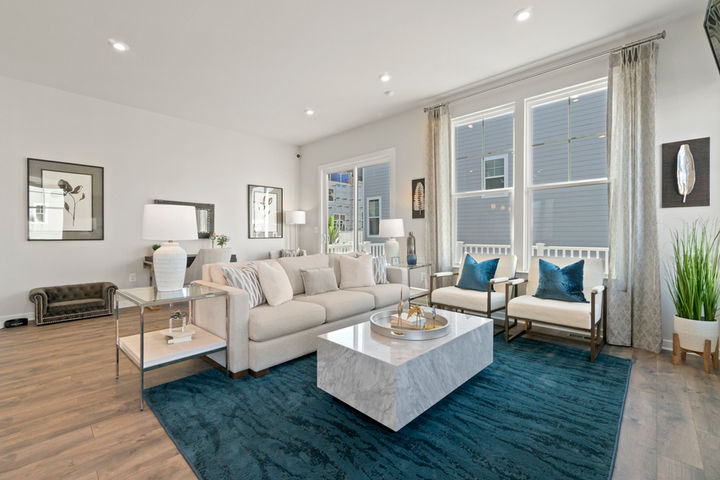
{"x":133,"y":278}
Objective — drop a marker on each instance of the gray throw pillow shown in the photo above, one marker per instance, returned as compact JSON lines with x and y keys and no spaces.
{"x":246,"y":278}
{"x":319,"y":280}
{"x":289,"y":252}
{"x":380,"y":270}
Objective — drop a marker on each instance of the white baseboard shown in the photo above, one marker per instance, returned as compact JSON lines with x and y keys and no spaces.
{"x":30,"y":316}
{"x":667,"y":344}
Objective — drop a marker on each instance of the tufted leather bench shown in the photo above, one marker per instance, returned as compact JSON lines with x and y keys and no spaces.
{"x":73,"y":302}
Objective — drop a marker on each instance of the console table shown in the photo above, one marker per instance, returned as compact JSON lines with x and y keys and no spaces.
{"x":150,"y":350}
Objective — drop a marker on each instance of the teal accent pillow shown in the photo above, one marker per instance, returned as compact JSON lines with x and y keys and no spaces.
{"x":476,"y":276}
{"x":564,"y":284}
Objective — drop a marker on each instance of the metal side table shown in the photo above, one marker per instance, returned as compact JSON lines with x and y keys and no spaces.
{"x":150,"y":350}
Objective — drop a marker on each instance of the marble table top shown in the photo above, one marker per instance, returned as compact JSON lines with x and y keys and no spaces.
{"x":361,"y":339}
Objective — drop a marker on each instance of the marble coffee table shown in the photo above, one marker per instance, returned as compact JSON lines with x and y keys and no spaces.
{"x":394,"y":381}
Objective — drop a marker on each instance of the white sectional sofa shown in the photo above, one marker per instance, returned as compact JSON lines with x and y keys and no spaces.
{"x":266,"y":336}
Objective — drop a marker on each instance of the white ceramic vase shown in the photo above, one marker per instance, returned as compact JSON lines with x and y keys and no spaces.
{"x":693,"y":333}
{"x":169,"y":265}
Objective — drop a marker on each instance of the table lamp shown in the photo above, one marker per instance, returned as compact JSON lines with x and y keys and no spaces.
{"x":391,"y":228}
{"x":168,"y":223}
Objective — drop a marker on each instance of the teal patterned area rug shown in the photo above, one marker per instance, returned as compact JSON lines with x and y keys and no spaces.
{"x":540,"y":411}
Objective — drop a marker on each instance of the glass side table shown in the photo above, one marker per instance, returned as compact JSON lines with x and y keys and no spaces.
{"x":150,"y":350}
{"x":416,"y":292}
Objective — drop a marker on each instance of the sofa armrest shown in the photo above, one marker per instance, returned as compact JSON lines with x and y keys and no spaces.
{"x":498,"y":280}
{"x":108,"y":291}
{"x":598,"y":289}
{"x":397,"y":275}
{"x":210,"y":315}
{"x":39,"y":297}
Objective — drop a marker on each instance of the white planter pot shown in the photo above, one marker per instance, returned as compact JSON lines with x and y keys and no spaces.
{"x":693,"y":333}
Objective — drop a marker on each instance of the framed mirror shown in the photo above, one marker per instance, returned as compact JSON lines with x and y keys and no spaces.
{"x":205,"y":213}
{"x":712,"y":27}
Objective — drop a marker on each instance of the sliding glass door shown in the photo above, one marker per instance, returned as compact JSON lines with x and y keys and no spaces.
{"x":358,"y":197}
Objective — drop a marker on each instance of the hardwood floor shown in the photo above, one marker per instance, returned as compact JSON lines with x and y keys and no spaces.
{"x":63,"y":415}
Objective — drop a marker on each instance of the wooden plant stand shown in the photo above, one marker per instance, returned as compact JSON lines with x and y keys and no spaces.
{"x":707,"y":355}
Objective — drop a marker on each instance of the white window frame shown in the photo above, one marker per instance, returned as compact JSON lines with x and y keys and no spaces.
{"x":484,"y":193}
{"x":530,"y":188}
{"x":354,"y":163}
{"x":368,"y":217}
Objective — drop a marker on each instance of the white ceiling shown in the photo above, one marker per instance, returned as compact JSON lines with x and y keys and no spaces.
{"x":255,"y":65}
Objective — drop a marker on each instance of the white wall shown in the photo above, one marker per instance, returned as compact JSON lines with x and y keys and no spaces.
{"x":146,"y":156}
{"x":688,"y":106}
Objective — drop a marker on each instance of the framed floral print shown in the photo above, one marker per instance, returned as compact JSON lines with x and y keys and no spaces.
{"x":65,"y":201}
{"x":265,"y":212}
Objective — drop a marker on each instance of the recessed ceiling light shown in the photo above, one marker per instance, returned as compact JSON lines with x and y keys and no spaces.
{"x":309,"y":112}
{"x":385,"y":77}
{"x":523,"y":14}
{"x":118,"y":45}
{"x":389,"y":93}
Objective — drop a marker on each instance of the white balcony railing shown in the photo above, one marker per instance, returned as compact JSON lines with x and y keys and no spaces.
{"x":538,"y":250}
{"x":374,"y":249}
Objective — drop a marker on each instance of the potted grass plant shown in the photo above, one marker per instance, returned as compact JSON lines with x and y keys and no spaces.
{"x":694,"y":284}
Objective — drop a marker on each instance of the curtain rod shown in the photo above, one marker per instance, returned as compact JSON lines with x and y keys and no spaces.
{"x":657,"y":36}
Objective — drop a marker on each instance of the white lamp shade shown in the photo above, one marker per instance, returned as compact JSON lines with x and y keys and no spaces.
{"x":392,"y":227}
{"x":169,"y":222}
{"x":295,"y":217}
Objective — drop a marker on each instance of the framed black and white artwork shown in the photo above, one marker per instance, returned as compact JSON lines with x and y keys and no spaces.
{"x":265,"y":212}
{"x":418,"y":198}
{"x":65,"y":201}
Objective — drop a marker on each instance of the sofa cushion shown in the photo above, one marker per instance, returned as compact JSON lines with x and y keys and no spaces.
{"x":319,"y":280}
{"x":246,"y":278}
{"x":564,"y":284}
{"x":568,"y":314}
{"x":356,"y":272}
{"x":275,"y":283}
{"x":467,"y":299}
{"x":385,"y":294}
{"x":293,"y":266}
{"x":341,"y":303}
{"x":79,"y":305}
{"x":266,"y":322}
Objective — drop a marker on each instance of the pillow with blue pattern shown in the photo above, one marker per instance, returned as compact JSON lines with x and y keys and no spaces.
{"x":564,"y":284}
{"x":477,"y":276}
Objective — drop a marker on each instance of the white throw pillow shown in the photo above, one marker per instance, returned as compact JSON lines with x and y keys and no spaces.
{"x":356,"y":272}
{"x":275,"y":283}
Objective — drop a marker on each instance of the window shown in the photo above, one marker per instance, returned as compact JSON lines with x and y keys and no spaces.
{"x":567,"y":192}
{"x":374,"y":209}
{"x":559,"y":205}
{"x":358,"y":197}
{"x":482,"y":186}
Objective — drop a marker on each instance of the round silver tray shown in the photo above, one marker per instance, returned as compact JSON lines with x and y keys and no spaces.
{"x":380,"y":323}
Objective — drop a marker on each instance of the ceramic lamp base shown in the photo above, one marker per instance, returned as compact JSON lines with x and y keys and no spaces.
{"x":392,"y":249}
{"x":169,"y":265}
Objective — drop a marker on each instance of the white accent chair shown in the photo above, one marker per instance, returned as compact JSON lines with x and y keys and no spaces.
{"x":206,"y":256}
{"x":584,"y":318}
{"x":474,"y":301}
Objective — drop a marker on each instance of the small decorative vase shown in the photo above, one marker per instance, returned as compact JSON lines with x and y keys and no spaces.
{"x":411,"y":255}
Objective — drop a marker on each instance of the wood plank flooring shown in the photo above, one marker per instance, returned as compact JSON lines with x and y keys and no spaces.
{"x":63,"y":415}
